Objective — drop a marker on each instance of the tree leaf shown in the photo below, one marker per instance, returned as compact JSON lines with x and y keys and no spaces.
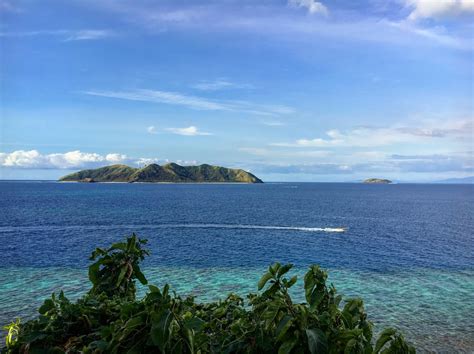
{"x":317,"y":341}
{"x":384,"y":337}
{"x":140,"y":276}
{"x":263,"y":280}
{"x":121,"y":276}
{"x":283,"y":326}
{"x":160,"y":329}
{"x":287,"y":346}
{"x":47,"y":306}
{"x":284,"y":269}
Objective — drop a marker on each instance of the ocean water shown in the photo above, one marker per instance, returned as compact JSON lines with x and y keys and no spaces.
{"x":407,"y":249}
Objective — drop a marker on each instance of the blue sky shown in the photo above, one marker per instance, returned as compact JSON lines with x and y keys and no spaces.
{"x":296,"y":90}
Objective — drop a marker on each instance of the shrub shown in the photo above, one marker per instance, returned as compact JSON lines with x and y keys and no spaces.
{"x":109,"y":319}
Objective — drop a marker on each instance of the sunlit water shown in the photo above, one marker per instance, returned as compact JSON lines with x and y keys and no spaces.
{"x":406,"y":249}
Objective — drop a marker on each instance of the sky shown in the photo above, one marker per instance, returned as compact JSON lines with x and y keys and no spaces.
{"x":297,"y":90}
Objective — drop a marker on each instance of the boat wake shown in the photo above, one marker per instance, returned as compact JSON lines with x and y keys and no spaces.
{"x":6,"y":229}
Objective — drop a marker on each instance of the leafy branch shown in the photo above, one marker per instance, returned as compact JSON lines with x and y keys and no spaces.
{"x":109,"y":319}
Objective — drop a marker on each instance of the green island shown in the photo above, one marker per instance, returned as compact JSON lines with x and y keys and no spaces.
{"x":169,"y":173}
{"x":110,"y":319}
{"x":377,"y":181}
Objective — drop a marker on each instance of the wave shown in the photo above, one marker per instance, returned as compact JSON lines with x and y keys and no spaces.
{"x":4,"y":229}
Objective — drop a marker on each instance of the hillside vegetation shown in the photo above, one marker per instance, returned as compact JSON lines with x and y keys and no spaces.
{"x":377,"y":181}
{"x":171,"y":172}
{"x":109,"y":318}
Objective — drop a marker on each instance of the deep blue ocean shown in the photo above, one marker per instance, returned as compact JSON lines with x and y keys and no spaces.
{"x":408,"y":249}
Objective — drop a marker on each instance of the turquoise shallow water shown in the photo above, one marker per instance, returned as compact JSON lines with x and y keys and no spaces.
{"x":408,"y":250}
{"x":429,"y":306}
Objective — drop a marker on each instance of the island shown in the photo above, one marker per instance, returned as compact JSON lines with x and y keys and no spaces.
{"x":377,"y":181}
{"x":169,"y":173}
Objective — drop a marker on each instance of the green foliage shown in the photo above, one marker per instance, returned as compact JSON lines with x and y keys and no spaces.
{"x":170,"y":172}
{"x":12,"y":333}
{"x":117,"y":267}
{"x":108,"y":319}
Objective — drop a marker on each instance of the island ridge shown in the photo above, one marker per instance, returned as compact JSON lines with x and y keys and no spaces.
{"x":169,"y":173}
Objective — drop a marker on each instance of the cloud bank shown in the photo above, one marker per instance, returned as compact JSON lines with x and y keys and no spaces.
{"x":439,"y":8}
{"x":33,"y":159}
{"x":383,"y":136}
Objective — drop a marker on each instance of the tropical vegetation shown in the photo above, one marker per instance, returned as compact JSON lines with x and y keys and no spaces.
{"x":110,"y":319}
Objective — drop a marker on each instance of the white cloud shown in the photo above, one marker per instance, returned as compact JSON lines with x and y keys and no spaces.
{"x":89,"y":35}
{"x":455,"y":164}
{"x":20,"y":158}
{"x":273,"y":20}
{"x":151,"y":129}
{"x":382,"y":136}
{"x":72,"y":159}
{"x":33,"y":159}
{"x":188,"y":131}
{"x":193,"y":102}
{"x":219,"y":84}
{"x":285,"y":154}
{"x":434,"y":34}
{"x":312,"y":6}
{"x":64,"y":35}
{"x":272,"y":123}
{"x":187,"y":162}
{"x":116,"y":158}
{"x":144,"y":161}
{"x":438,"y":8}
{"x":162,"y":97}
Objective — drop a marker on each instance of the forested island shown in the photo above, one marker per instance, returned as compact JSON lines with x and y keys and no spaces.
{"x":168,"y":173}
{"x":377,"y":181}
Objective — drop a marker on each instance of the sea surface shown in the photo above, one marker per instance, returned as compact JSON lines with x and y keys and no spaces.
{"x":408,"y":249}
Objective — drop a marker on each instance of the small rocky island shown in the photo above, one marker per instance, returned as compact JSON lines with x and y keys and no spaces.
{"x":169,"y":173}
{"x":377,"y":181}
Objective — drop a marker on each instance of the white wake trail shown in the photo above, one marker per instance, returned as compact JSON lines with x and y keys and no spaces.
{"x":5,"y":229}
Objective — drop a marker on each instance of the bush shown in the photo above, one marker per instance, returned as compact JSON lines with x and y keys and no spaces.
{"x":109,"y":319}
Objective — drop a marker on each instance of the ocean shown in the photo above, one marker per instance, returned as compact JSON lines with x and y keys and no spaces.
{"x":407,"y":249}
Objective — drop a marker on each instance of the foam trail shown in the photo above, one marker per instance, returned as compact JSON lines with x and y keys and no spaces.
{"x":5,"y":229}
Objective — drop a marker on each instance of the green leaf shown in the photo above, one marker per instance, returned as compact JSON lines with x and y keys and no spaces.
{"x":121,"y":275}
{"x":47,"y":306}
{"x":350,"y":346}
{"x":154,"y":289}
{"x":274,"y":268}
{"x":284,"y":269}
{"x":384,"y":337}
{"x":283,"y":326}
{"x":317,"y":341}
{"x":194,"y":324}
{"x":263,"y":280}
{"x":160,"y":329}
{"x":140,"y":276}
{"x":287,"y":346}
{"x":292,"y":281}
{"x":118,"y":246}
{"x":315,"y":298}
{"x":94,"y":272}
